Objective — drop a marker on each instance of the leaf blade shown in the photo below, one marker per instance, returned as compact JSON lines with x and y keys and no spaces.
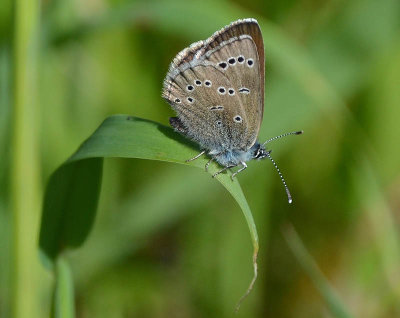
{"x":118,"y":136}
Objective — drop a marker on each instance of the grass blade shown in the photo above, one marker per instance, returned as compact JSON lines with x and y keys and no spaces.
{"x":25,"y":189}
{"x":321,"y":283}
{"x":63,"y":298}
{"x":72,"y":193}
{"x":68,"y":218}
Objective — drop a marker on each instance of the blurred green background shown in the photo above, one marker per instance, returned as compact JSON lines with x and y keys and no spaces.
{"x":168,"y":240}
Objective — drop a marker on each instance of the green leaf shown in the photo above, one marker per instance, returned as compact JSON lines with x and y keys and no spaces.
{"x":70,"y":205}
{"x":72,"y":193}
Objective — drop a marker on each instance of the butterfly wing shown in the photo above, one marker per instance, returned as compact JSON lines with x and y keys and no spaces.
{"x":216,"y":88}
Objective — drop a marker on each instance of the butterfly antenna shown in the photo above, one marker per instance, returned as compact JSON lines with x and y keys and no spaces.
{"x":280,"y":175}
{"x":284,"y":135}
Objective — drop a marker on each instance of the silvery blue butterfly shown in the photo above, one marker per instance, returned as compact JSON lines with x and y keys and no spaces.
{"x":216,"y":88}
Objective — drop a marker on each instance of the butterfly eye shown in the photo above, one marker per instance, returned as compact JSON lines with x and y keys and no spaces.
{"x":208,"y":83}
{"x":240,"y":59}
{"x":222,"y":90}
{"x":197,"y":82}
{"x":250,"y":62}
{"x":190,"y":88}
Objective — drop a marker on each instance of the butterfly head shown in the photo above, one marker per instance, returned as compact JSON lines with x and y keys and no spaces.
{"x":260,"y":152}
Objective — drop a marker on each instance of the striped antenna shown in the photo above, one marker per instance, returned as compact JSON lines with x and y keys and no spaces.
{"x":284,"y":135}
{"x":280,"y":175}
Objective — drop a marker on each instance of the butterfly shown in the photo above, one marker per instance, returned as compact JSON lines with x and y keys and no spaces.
{"x":216,"y":88}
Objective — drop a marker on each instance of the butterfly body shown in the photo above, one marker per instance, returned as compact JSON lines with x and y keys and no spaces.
{"x":235,"y":156}
{"x":222,"y":154}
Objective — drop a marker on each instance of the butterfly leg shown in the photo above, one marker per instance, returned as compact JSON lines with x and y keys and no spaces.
{"x":244,"y":166}
{"x":208,"y":163}
{"x":222,"y":170}
{"x":196,"y":157}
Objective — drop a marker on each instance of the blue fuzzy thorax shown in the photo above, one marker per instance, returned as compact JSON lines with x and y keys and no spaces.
{"x":234,"y":157}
